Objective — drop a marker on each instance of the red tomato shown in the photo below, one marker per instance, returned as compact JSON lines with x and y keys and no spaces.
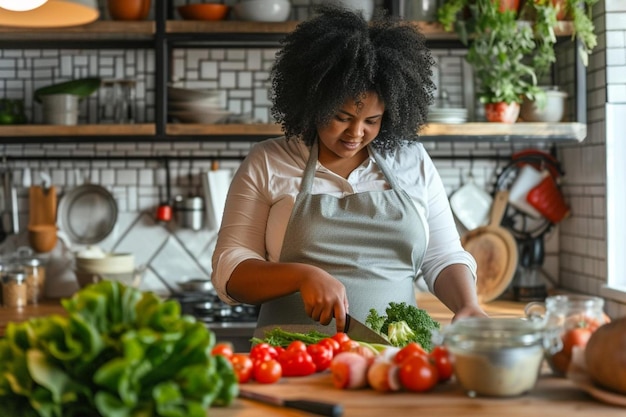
{"x":263,"y":352}
{"x":268,"y":372}
{"x":412,"y":349}
{"x":341,"y":337}
{"x":443,"y":362}
{"x":578,"y":336}
{"x":418,"y":374}
{"x":321,"y":354}
{"x":297,"y":346}
{"x":224,"y":349}
{"x":330,"y":343}
{"x":349,"y":346}
{"x":243,"y":366}
{"x":296,"y":363}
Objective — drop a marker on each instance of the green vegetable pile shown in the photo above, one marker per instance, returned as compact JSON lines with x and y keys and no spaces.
{"x":403,"y":324}
{"x":119,"y":352}
{"x":280,"y":337}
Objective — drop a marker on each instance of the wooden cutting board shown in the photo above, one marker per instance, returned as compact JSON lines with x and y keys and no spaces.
{"x":42,"y":205}
{"x":495,"y":251}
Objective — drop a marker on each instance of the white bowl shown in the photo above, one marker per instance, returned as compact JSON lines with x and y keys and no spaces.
{"x":188,"y":94}
{"x":131,"y":279}
{"x":198,"y":105}
{"x":111,"y":263}
{"x":204,"y":117}
{"x":263,"y":10}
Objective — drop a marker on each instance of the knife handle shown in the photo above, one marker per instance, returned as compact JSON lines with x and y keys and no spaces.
{"x":316,"y":407}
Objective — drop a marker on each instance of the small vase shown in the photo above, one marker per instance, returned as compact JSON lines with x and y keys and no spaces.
{"x":502,"y":112}
{"x":128,"y":9}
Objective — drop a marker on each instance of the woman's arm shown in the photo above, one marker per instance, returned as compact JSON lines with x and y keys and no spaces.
{"x":256,"y":281}
{"x":456,"y":288}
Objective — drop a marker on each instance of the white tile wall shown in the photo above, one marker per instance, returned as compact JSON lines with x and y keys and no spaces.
{"x":576,"y":250}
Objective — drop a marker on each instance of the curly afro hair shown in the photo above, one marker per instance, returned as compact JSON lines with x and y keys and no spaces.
{"x":336,"y":56}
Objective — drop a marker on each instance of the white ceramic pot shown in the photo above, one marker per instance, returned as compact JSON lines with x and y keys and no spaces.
{"x":552,"y":111}
{"x":366,"y":7}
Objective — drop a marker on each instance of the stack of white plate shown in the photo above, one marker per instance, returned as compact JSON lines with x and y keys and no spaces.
{"x":195,"y":106}
{"x":447,"y":115}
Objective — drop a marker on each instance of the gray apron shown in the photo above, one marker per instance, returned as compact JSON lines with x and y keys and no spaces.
{"x":373,"y":242}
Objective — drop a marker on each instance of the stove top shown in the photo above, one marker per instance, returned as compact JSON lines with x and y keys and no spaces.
{"x":208,"y":308}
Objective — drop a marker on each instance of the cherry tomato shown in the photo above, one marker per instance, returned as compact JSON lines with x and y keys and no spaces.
{"x":578,"y":336}
{"x":443,"y":362}
{"x":263,"y":352}
{"x":321,"y":354}
{"x":243,"y":366}
{"x":341,"y":337}
{"x":412,"y":349}
{"x":418,"y":374}
{"x":331,"y":343}
{"x":297,"y":346}
{"x":349,"y":346}
{"x":296,"y":363}
{"x":224,"y":349}
{"x":268,"y":372}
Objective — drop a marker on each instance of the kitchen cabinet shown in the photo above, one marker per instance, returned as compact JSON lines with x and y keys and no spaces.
{"x":164,"y":34}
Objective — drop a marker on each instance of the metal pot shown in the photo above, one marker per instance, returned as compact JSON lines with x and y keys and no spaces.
{"x":189,"y":212}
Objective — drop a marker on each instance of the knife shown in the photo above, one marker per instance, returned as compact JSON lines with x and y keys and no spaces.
{"x":361,"y":332}
{"x":316,"y":407}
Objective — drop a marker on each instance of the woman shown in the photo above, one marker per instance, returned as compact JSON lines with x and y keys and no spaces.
{"x":342,"y":213}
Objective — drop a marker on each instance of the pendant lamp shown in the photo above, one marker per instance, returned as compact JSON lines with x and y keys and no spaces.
{"x":50,"y":14}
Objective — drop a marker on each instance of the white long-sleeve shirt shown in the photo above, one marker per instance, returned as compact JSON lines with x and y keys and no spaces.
{"x":265,"y":186}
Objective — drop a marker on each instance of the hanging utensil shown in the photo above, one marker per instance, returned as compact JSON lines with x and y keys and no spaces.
{"x":164,"y":210}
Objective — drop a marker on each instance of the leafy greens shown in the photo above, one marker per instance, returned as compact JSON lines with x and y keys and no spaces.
{"x":119,"y":352}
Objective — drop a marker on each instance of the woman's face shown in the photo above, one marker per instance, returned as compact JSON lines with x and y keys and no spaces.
{"x":350,"y":130}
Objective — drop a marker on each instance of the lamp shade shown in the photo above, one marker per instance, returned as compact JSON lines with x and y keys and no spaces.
{"x":21,"y":5}
{"x":53,"y":13}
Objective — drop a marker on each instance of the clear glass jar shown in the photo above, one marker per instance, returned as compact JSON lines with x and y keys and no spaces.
{"x":570,"y":319}
{"x":14,"y":290}
{"x":496,"y":357}
{"x":35,"y":279}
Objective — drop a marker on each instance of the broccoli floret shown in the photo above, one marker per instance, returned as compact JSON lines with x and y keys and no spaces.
{"x":417,"y":319}
{"x":374,"y":320}
{"x":400,"y":334}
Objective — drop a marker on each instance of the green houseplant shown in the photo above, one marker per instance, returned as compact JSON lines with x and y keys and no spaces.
{"x":510,"y":51}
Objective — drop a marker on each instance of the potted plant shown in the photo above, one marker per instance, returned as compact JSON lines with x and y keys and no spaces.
{"x":510,"y":51}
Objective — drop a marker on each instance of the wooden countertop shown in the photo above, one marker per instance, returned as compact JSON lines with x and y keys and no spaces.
{"x":497,"y":308}
{"x":552,"y":396}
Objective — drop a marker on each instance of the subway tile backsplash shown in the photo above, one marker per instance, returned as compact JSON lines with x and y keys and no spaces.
{"x":172,"y":254}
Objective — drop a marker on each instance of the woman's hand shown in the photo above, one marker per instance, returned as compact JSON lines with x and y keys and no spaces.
{"x":469,"y":311}
{"x":324,"y":297}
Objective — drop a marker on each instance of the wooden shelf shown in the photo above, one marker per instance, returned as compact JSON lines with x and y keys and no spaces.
{"x":145,"y":30}
{"x":471,"y":132}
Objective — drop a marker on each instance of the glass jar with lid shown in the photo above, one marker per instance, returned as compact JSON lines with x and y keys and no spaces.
{"x":35,"y":271}
{"x":496,"y":357}
{"x":571,"y":318}
{"x":14,"y":290}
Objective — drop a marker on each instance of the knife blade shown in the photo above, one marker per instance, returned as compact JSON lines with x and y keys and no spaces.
{"x":316,"y":407}
{"x":361,"y":332}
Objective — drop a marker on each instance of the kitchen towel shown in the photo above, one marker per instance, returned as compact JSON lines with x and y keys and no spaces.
{"x":216,"y":183}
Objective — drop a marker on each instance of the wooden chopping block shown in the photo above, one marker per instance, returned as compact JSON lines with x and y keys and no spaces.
{"x":42,"y":205}
{"x":495,"y":251}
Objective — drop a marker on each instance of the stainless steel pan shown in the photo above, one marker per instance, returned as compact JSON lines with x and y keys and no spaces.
{"x":87,"y":214}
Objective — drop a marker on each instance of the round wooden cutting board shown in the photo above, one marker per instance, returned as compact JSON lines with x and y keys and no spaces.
{"x":495,"y":251}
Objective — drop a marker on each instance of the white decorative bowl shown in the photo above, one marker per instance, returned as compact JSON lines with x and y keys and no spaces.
{"x":263,"y":10}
